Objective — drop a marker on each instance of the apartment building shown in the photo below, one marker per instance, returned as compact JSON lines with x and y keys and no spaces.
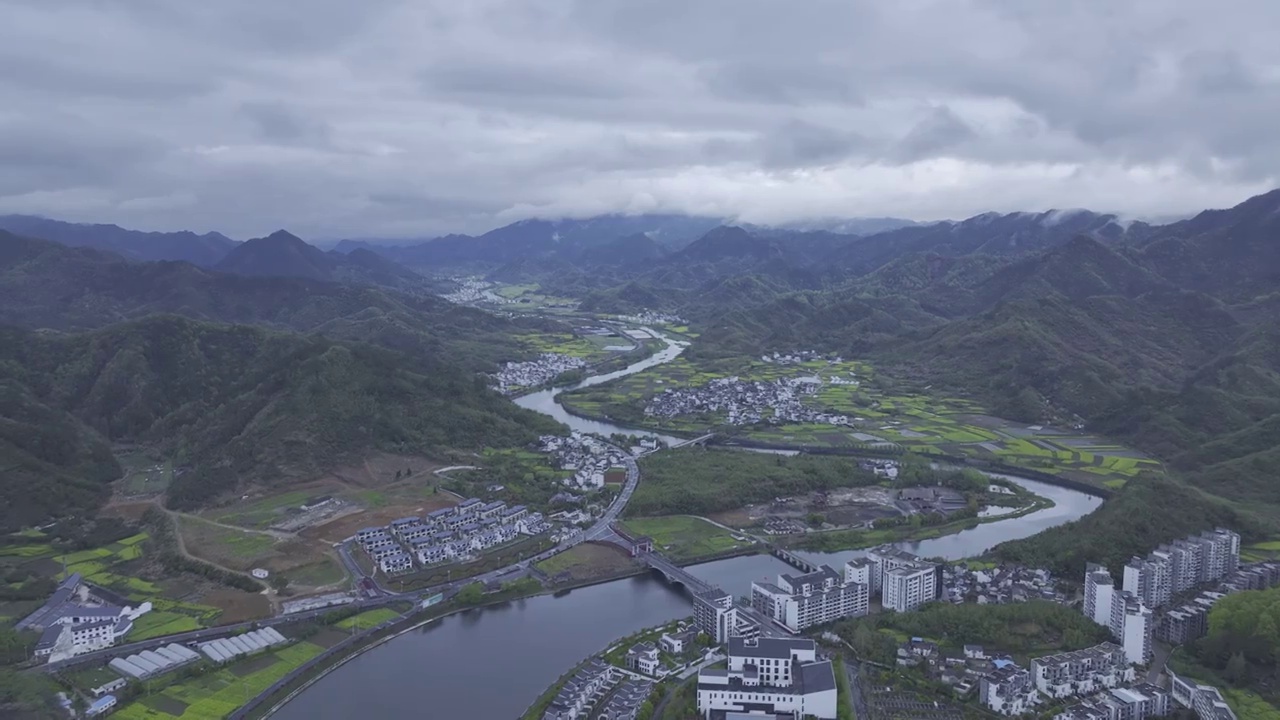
{"x":1183,"y":624}
{"x":1099,"y":589}
{"x":1138,"y":702}
{"x":1206,"y":701}
{"x":907,"y":587}
{"x":1082,"y":672}
{"x":1178,"y":567}
{"x":1150,"y":578}
{"x":799,"y":602}
{"x":715,"y":615}
{"x":885,"y":558}
{"x":772,"y":676}
{"x":1132,"y":627}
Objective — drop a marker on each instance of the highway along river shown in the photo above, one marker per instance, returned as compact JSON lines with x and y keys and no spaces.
{"x":491,"y":663}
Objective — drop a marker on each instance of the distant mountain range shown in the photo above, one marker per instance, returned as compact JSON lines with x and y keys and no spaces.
{"x":203,"y":250}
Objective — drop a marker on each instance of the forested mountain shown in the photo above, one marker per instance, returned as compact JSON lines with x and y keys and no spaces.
{"x":282,"y":254}
{"x":1166,"y":338}
{"x":47,"y":285}
{"x":204,"y":250}
{"x":565,"y":241}
{"x":239,"y":403}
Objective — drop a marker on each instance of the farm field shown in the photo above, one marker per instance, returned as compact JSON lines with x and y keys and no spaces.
{"x":217,"y":694}
{"x":120,"y":566}
{"x":882,"y":419}
{"x":682,"y":537}
{"x":530,"y":296}
{"x":144,"y":475}
{"x":367,"y":619}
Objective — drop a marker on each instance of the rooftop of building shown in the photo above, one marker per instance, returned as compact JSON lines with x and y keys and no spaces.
{"x":768,"y":647}
{"x":713,"y":594}
{"x":817,"y":577}
{"x":806,"y":679}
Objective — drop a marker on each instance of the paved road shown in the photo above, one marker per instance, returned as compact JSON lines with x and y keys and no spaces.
{"x":853,"y":671}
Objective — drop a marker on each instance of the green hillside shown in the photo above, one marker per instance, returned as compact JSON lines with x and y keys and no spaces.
{"x":46,"y":285}
{"x":238,"y":403}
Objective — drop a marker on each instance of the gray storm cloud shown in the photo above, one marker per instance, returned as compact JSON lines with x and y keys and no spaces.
{"x":403,"y":117}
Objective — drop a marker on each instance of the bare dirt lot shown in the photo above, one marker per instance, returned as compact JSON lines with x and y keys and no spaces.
{"x":845,"y":507}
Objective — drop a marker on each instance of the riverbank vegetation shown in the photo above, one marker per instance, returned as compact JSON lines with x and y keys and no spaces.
{"x":1151,"y":510}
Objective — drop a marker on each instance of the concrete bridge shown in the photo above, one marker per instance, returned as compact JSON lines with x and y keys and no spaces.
{"x":792,"y":559}
{"x":674,"y":573}
{"x":695,"y":441}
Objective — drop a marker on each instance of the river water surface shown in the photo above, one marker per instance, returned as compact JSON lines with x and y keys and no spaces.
{"x":491,"y":663}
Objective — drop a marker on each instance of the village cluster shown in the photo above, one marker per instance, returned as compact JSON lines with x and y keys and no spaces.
{"x":1000,"y":585}
{"x":516,"y":376}
{"x":471,"y":290}
{"x":448,"y":534}
{"x":747,"y":402}
{"x":653,"y":317}
{"x":593,"y":462}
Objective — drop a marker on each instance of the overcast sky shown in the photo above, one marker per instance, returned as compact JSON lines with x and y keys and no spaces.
{"x":412,"y":117}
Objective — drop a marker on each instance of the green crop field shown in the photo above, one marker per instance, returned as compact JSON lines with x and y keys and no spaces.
{"x":215,"y":695}
{"x":878,"y":417}
{"x":367,"y":619}
{"x":263,"y":512}
{"x":683,"y":537}
{"x":158,"y":624}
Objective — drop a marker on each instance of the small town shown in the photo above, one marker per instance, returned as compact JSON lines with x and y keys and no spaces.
{"x":592,"y":461}
{"x":746,"y":402}
{"x":750,"y":659}
{"x":516,"y":376}
{"x":652,"y":317}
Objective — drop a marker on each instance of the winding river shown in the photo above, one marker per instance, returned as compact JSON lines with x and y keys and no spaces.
{"x":491,"y":663}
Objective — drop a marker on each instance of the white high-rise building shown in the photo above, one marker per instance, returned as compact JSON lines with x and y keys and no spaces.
{"x":715,"y":615}
{"x":885,"y":558}
{"x":1131,"y":625}
{"x":859,"y":570}
{"x":1099,"y":589}
{"x":907,"y":588}
{"x":1150,"y":578}
{"x":798,"y":602}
